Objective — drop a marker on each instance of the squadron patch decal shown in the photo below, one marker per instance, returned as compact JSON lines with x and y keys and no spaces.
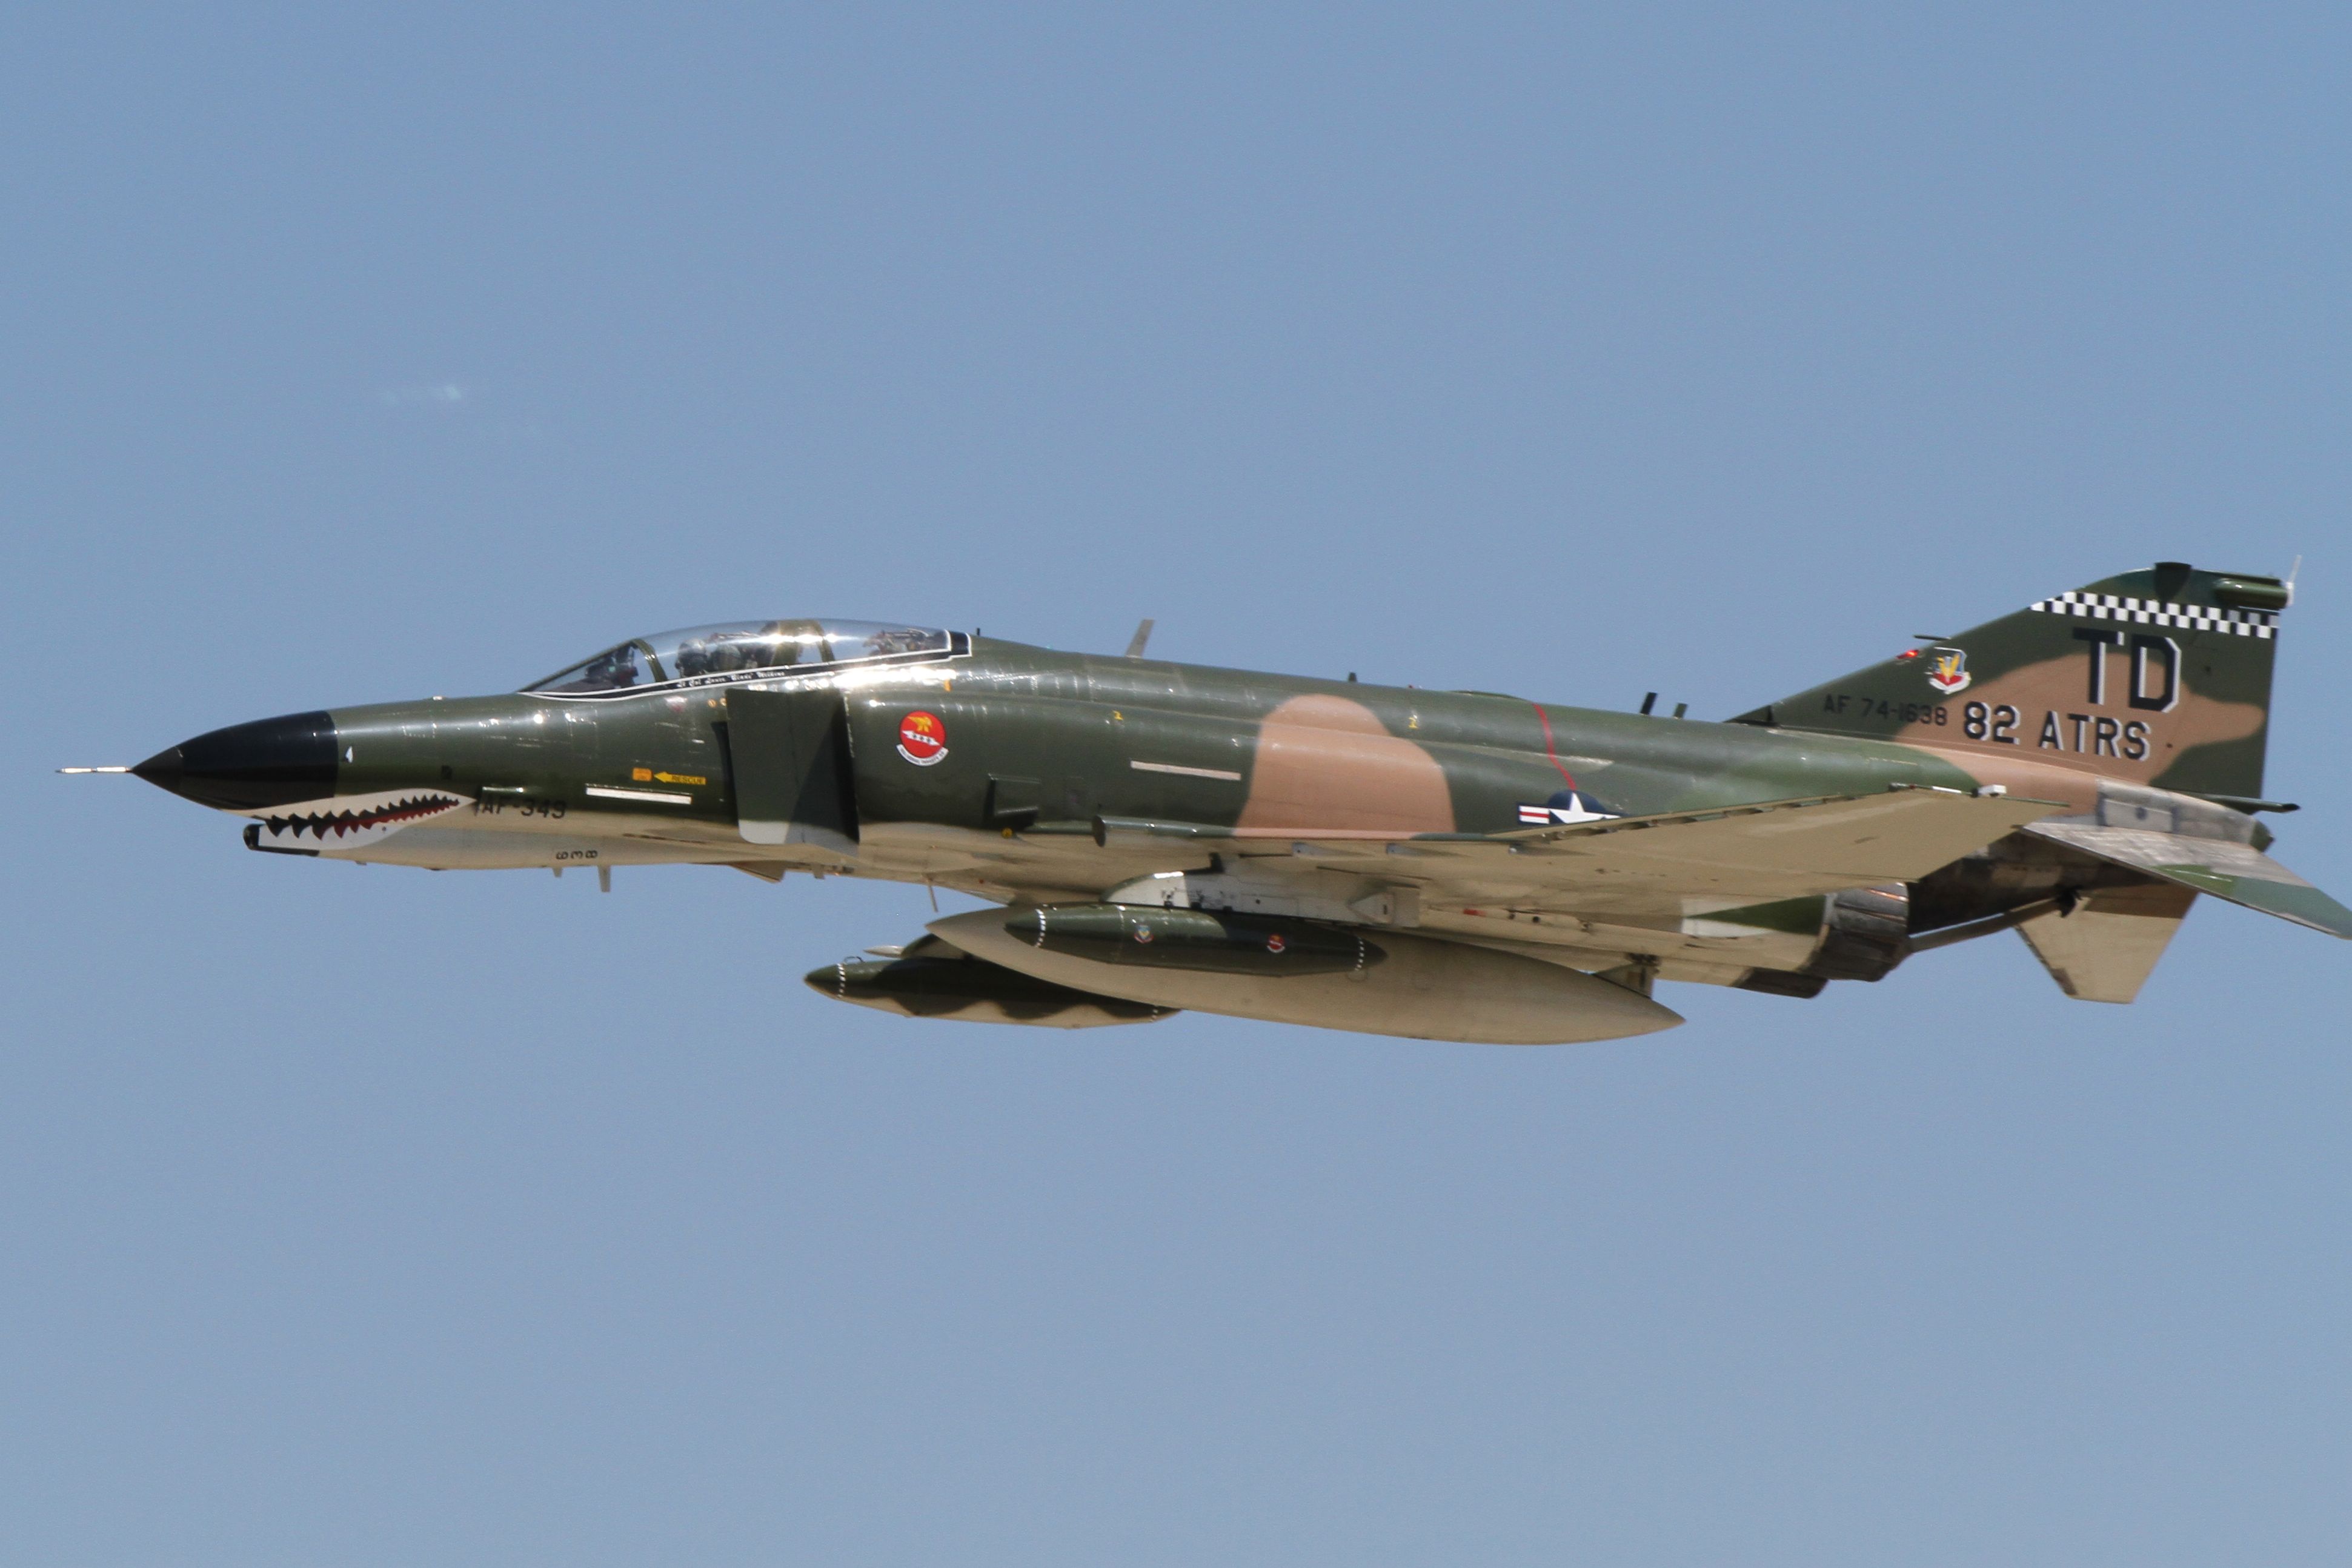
{"x":1949,"y":673}
{"x":922,"y":739}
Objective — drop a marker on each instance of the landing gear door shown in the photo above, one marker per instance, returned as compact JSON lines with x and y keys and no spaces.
{"x":791,"y":756}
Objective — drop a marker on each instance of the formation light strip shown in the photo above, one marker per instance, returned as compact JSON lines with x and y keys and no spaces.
{"x":652,"y":796}
{"x":1230,"y":777}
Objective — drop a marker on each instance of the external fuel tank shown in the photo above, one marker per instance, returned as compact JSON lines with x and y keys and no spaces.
{"x":1421,"y":988}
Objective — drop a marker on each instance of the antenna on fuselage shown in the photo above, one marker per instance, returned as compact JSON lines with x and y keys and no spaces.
{"x":1142,"y":636}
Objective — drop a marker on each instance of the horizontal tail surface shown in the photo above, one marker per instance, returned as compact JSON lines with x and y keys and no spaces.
{"x":2238,"y":873}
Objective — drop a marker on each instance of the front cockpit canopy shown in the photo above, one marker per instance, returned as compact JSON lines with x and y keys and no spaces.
{"x":738,"y":647}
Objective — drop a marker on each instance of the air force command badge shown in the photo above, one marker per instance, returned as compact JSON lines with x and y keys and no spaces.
{"x":1949,"y":673}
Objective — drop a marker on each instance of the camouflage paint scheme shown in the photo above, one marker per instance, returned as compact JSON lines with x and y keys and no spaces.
{"x":2082,"y":706}
{"x":1031,"y":777}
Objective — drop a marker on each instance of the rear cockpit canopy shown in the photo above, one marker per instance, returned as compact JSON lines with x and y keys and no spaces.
{"x":745,"y":650}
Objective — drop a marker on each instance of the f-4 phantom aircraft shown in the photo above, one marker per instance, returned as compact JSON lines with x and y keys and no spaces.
{"x":1446,"y":865}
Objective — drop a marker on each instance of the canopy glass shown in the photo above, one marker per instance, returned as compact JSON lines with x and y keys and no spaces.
{"x":739,"y":645}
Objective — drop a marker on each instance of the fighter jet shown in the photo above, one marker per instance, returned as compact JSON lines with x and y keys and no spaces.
{"x":1447,"y":864}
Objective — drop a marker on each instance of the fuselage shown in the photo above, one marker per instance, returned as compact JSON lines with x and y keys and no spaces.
{"x":1031,"y":743}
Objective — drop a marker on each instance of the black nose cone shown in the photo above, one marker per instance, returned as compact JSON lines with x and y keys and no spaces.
{"x":272,"y":761}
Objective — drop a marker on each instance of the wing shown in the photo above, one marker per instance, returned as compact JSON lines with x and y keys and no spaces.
{"x":1710,"y":894}
{"x":1785,"y":849}
{"x":1656,"y":866}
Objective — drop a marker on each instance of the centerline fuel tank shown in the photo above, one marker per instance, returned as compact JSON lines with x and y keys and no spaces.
{"x":1421,"y":988}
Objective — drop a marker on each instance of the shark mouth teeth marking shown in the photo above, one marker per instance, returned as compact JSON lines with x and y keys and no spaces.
{"x":362,"y":822}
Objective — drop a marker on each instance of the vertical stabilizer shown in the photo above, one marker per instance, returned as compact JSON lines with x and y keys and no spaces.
{"x":2158,"y":676}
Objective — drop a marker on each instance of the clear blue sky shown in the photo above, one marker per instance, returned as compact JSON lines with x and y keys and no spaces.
{"x":374,"y":1217}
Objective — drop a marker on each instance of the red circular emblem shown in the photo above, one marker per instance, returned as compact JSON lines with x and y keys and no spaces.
{"x":922,"y":739}
{"x":1274,"y":943}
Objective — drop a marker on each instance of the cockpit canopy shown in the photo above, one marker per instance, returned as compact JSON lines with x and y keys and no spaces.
{"x":741,"y":648}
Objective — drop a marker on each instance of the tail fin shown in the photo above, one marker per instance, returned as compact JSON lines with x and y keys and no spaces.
{"x":2159,"y":677}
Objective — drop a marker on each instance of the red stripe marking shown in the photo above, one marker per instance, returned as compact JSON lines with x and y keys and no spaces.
{"x":1543,"y":719}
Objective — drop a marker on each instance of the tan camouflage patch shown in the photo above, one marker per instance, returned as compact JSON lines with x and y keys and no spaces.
{"x":1328,"y":762}
{"x":2029,"y":728}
